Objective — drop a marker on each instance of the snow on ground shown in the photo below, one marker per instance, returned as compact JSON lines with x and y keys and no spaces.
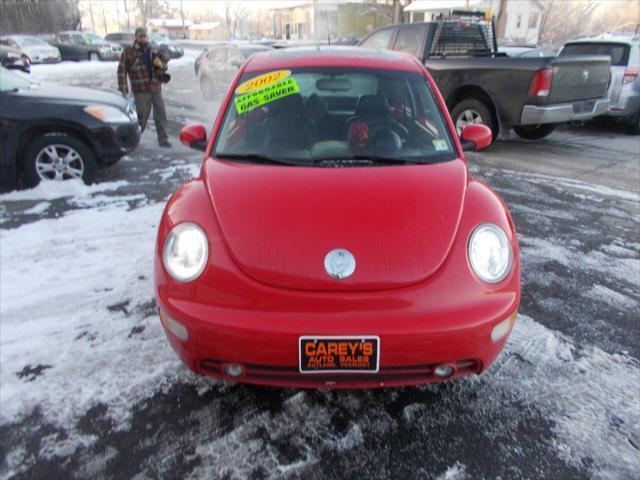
{"x":54,"y":190}
{"x":78,"y":320}
{"x":40,"y":72}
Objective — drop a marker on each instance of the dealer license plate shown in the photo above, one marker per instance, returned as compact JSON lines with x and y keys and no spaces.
{"x":339,"y":354}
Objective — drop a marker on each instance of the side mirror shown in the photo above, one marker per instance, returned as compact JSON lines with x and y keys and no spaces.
{"x":476,"y":137}
{"x":194,"y":136}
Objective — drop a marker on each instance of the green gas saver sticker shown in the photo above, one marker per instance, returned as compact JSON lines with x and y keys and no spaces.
{"x":262,"y":96}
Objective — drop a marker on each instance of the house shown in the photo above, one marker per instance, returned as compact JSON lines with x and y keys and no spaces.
{"x":519,"y":25}
{"x":295,"y":21}
{"x":324,"y":19}
{"x":174,"y":27}
{"x":216,"y":31}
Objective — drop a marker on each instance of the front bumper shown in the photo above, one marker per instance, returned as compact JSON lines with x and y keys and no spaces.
{"x":565,"y":112}
{"x":112,"y":142}
{"x":108,"y":56}
{"x":46,"y":59}
{"x":18,"y":65}
{"x":266,"y":346}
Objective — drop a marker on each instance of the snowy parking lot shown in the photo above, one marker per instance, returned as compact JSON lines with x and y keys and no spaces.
{"x":90,"y":388}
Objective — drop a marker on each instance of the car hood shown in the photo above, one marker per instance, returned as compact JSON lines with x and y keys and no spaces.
{"x":81,"y":96}
{"x":280,"y":222}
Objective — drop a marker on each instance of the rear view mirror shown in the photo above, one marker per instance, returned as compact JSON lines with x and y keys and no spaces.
{"x":333,"y":84}
{"x":476,"y":137}
{"x":194,"y":136}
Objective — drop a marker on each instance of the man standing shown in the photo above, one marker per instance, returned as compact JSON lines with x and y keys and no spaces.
{"x":138,"y":62}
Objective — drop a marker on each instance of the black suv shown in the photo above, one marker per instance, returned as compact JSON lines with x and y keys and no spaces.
{"x":51,"y":132}
{"x":85,"y":46}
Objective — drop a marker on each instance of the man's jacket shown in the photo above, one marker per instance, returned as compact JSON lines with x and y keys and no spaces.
{"x":132,"y":63}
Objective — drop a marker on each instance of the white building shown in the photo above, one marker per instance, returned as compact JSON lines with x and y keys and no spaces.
{"x":519,"y":26}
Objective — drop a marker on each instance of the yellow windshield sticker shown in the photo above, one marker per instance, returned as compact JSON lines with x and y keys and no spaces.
{"x":262,"y":81}
{"x":276,"y":91}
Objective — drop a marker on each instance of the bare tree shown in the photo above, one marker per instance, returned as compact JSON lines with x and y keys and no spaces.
{"x":233,"y":13}
{"x":566,"y":19}
{"x":33,"y":16}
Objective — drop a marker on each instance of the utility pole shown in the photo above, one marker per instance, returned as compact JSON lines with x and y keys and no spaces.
{"x":118,"y":16}
{"x":93,"y":22}
{"x":126,"y":10}
{"x":184,"y":31}
{"x":397,"y":11}
{"x":104,"y":18}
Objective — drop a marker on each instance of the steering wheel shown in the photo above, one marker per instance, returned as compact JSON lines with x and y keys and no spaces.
{"x":397,"y":127}
{"x":385,"y":141}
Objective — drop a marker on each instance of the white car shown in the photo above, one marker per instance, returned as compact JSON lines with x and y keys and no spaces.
{"x":624,"y":87}
{"x":38,"y":51}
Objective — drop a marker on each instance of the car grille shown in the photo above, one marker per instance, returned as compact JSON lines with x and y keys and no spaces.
{"x":393,"y":375}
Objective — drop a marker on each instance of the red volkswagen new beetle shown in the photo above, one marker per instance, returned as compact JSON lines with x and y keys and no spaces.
{"x":334,"y":237}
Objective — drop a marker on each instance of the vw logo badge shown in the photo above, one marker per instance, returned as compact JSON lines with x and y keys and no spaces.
{"x":340,"y":263}
{"x":585,"y":75}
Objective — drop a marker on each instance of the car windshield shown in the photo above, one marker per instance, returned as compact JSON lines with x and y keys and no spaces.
{"x":92,"y":39}
{"x":312,"y":115}
{"x":31,"y":42}
{"x":10,"y":81}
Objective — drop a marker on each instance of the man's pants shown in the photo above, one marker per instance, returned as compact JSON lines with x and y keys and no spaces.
{"x":144,"y":102}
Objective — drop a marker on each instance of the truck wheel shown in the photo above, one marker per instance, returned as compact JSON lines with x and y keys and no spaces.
{"x":535,"y":132}
{"x":57,"y":157}
{"x":206,"y":85}
{"x":470,"y":111}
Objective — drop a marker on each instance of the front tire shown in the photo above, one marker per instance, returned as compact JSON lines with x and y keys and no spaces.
{"x":471,"y":111}
{"x":57,"y":157}
{"x":94,"y":57}
{"x":206,"y":86}
{"x":534,"y":132}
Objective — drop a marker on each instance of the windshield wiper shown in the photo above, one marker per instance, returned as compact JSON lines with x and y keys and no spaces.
{"x":366,"y":159}
{"x":259,"y":158}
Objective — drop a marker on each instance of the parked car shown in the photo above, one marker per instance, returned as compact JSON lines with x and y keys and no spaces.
{"x":124,"y":39}
{"x":80,"y":46}
{"x":14,"y":59}
{"x":53,"y":132}
{"x":216,"y":66}
{"x":346,"y":41}
{"x":158,"y":41}
{"x":624,"y":88}
{"x":332,"y":241}
{"x":162,"y":42}
{"x":530,"y":95}
{"x":526,"y":52}
{"x":36,"y":50}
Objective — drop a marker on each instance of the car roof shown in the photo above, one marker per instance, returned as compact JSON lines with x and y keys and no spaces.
{"x":320,"y":56}
{"x":628,"y":38}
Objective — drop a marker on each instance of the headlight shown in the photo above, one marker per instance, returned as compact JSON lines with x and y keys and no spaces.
{"x":185,"y":252}
{"x":490,"y":253}
{"x":107,"y":114}
{"x":130,"y":110}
